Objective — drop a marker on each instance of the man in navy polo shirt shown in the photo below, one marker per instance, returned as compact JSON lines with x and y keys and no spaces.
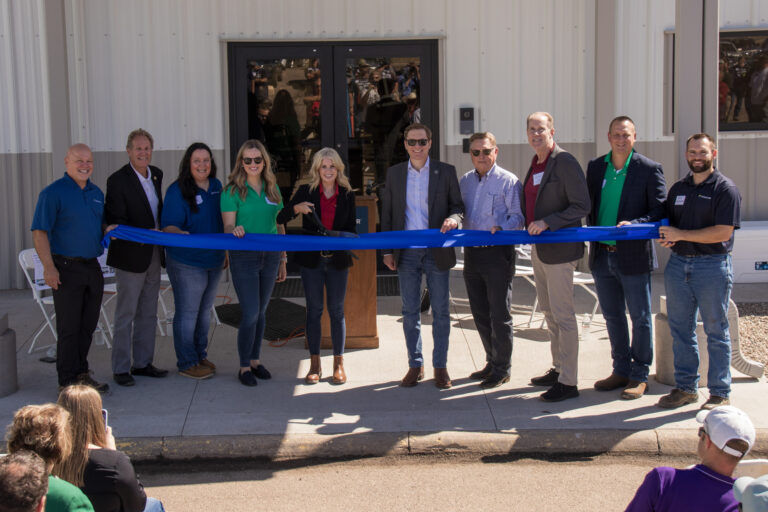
{"x":703,"y":210}
{"x":67,"y":230}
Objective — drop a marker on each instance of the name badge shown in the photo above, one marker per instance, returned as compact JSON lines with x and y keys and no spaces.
{"x":604,"y":182}
{"x":537,"y":178}
{"x":266,"y":199}
{"x":679,"y":200}
{"x":198,"y":199}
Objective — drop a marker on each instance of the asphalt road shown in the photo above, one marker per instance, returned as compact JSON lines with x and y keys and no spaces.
{"x":423,"y":483}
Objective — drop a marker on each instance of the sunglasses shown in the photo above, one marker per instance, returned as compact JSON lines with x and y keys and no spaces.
{"x":486,"y":152}
{"x":257,"y":160}
{"x":420,"y":142}
{"x":702,"y":431}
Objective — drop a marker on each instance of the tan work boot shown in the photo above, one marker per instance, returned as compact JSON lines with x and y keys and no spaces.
{"x":613,"y":382}
{"x":315,"y":372}
{"x":635,"y":389}
{"x":339,"y":377}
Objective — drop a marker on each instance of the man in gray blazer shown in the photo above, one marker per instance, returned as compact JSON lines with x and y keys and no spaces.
{"x":555,"y":196}
{"x":422,"y":194}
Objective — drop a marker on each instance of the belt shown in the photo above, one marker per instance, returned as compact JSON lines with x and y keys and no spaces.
{"x":608,"y":248}
{"x":74,"y":258}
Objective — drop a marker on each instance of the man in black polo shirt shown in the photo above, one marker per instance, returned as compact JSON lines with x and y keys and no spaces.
{"x":703,"y":210}
{"x":66,"y":231}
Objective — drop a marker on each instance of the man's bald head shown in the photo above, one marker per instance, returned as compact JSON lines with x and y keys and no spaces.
{"x":79,"y":163}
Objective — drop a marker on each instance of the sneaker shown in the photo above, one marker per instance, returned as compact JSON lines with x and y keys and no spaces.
{"x":198,"y":372}
{"x":548,"y":379}
{"x":613,"y":382}
{"x":634,"y":390}
{"x":247,"y":378}
{"x":715,"y":401}
{"x":677,"y":398}
{"x":261,"y":373}
{"x":208,"y":364}
{"x":559,"y":392}
{"x":86,"y":380}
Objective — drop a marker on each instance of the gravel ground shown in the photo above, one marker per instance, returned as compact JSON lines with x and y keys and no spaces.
{"x":753,"y":330}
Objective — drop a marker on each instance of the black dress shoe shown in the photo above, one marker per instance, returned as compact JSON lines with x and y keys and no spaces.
{"x":261,"y":373}
{"x":149,"y":371}
{"x":494,"y":381}
{"x":124,"y":379}
{"x":559,"y":392}
{"x":548,"y":379}
{"x":482,"y":374}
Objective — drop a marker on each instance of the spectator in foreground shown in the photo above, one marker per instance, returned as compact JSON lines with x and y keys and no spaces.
{"x":22,"y":483}
{"x":44,"y":430}
{"x":726,"y":435}
{"x":752,"y":493}
{"x":95,"y":465}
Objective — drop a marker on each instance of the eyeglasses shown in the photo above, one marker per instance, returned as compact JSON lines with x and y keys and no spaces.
{"x":257,"y":160}
{"x":702,"y":431}
{"x":486,"y":152}
{"x":420,"y":142}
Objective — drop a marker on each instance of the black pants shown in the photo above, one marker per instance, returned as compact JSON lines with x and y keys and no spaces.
{"x":77,"y":303}
{"x":488,"y":273}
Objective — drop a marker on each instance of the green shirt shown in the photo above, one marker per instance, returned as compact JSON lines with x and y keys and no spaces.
{"x":257,"y":214}
{"x":613,"y":183}
{"x":64,"y":497}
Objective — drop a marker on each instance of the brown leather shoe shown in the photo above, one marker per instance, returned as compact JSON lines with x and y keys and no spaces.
{"x":413,"y":377}
{"x":611,"y":383}
{"x":635,"y":389}
{"x":442,"y":380}
{"x":339,"y":377}
{"x":315,"y":372}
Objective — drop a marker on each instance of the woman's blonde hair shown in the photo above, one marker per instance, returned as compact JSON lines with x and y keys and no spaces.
{"x":87,"y":426}
{"x":238,"y":178}
{"x":313,"y":175}
{"x":43,"y":429}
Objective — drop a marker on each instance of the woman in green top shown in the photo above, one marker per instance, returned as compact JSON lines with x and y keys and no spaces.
{"x":250,"y":204}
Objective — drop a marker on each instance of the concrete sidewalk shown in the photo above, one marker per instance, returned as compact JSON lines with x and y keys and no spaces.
{"x":179,"y":418}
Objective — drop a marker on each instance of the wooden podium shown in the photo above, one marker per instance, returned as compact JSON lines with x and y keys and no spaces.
{"x":360,"y":302}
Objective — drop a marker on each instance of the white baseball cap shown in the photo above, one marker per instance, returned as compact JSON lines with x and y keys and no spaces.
{"x":725,"y":423}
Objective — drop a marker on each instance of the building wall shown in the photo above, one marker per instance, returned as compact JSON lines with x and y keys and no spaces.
{"x":117,"y":65}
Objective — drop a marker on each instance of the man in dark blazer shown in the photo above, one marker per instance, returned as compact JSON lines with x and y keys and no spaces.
{"x":422,"y":194}
{"x":555,"y":196}
{"x":134,"y":198}
{"x":626,"y":188}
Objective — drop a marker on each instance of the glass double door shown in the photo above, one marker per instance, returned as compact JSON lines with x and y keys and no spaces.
{"x":355,"y":97}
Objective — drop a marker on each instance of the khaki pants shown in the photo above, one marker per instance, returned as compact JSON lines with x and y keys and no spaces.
{"x":554,"y":289}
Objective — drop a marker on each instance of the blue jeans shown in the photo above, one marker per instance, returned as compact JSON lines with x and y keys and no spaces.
{"x":412,"y":265}
{"x":325,"y":276}
{"x":700,"y":284}
{"x":194,"y":290}
{"x":253,"y":275}
{"x":618,"y":292}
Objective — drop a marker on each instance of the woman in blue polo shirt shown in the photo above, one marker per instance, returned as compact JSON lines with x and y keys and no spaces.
{"x":250,"y":204}
{"x":192,"y":206}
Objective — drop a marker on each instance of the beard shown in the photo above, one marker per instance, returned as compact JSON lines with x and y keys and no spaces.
{"x":705,"y":167}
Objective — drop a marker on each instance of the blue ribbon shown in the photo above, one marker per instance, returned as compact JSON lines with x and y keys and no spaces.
{"x":417,"y":239}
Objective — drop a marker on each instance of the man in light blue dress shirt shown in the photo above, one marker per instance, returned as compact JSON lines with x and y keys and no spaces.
{"x":491,"y":198}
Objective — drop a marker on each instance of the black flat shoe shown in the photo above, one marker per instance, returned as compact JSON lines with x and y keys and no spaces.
{"x":150,"y":371}
{"x":123,"y":379}
{"x":261,"y":373}
{"x":247,"y":378}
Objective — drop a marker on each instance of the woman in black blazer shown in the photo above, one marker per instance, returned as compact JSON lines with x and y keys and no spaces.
{"x":326,"y":200}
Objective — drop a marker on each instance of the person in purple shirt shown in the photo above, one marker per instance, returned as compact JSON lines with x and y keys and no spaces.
{"x":726,"y":435}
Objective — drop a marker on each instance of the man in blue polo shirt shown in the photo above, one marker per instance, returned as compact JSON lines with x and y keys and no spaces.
{"x":67,"y":230}
{"x":703,"y":209}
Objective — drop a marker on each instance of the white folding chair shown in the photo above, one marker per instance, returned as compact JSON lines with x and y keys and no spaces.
{"x":27,"y":259}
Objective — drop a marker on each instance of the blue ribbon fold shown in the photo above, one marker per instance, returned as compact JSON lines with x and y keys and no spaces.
{"x":417,"y":239}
